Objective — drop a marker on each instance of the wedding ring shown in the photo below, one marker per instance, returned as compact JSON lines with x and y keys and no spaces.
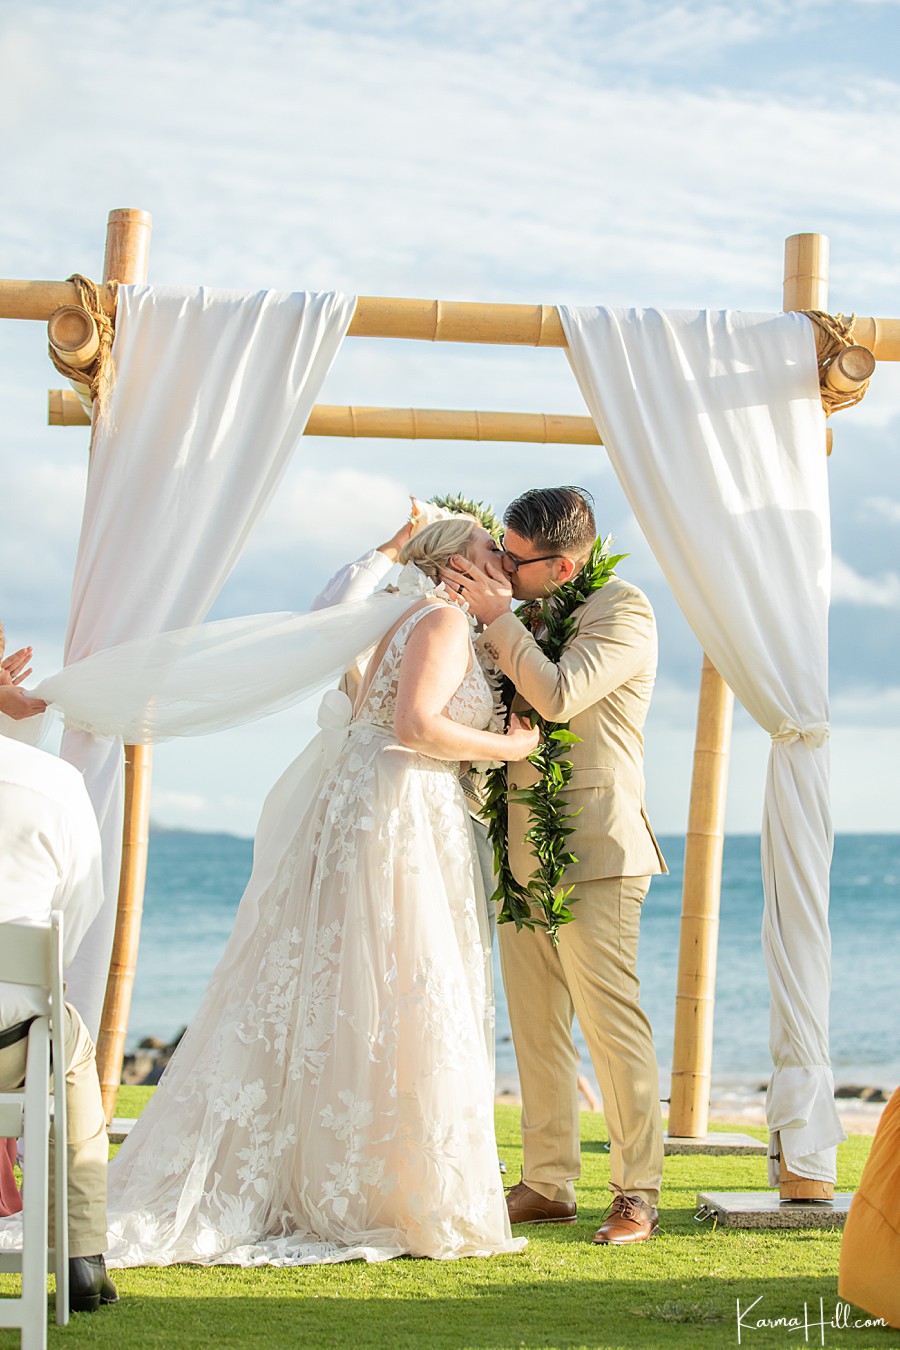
{"x":459,"y":588}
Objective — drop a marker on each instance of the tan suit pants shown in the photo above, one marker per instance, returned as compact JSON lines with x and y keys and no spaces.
{"x":88,"y":1148}
{"x":591,"y":975}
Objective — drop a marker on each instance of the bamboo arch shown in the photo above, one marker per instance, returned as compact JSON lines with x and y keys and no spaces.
{"x":805,"y":287}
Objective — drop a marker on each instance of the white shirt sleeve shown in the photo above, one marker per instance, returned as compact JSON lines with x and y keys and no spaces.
{"x":354,"y":581}
{"x":26,"y":730}
{"x":80,"y":892}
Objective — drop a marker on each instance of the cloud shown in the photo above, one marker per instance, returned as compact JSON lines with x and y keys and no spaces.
{"x":496,"y":174}
{"x":319,"y":519}
{"x":170,"y":804}
{"x":849,"y":587}
{"x":886,"y":507}
{"x":522,"y":150}
{"x":38,"y":540}
{"x":331,"y":506}
{"x":867,"y":705}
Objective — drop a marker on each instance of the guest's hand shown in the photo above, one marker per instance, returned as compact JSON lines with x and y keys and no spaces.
{"x":12,"y":668}
{"x":17,"y":704}
{"x":487,"y":593}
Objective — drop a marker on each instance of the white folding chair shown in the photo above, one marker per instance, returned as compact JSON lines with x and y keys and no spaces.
{"x":32,"y":956}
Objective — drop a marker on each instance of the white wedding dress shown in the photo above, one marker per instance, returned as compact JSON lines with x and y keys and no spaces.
{"x":333,"y":1098}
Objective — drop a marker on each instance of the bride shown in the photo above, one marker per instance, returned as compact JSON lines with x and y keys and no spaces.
{"x":333,"y":1097}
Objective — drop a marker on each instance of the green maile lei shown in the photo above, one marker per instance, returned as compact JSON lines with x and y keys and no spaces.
{"x":544,"y":902}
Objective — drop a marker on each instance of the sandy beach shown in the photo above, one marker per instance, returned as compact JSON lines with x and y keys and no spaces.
{"x":741,"y":1106}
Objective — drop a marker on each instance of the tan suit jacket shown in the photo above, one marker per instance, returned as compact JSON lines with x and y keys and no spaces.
{"x":601,"y":687}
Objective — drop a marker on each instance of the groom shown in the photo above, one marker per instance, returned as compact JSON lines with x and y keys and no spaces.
{"x":601,"y":687}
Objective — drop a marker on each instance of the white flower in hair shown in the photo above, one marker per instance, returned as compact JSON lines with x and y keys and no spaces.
{"x":413,"y":581}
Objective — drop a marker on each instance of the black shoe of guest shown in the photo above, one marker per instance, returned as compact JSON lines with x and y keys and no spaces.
{"x":89,"y":1284}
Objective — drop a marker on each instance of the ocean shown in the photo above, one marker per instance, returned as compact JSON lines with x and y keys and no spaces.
{"x":194,"y":883}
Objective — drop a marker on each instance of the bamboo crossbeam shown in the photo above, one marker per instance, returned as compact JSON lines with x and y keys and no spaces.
{"x":880,"y":336}
{"x":458,"y":321}
{"x":73,"y":335}
{"x":39,"y":299}
{"x":425,"y":424}
{"x":419,"y":320}
{"x":850,"y":369}
{"x":64,"y":409}
{"x":450,"y":424}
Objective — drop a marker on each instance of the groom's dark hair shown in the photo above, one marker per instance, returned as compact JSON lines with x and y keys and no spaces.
{"x":558,"y":520}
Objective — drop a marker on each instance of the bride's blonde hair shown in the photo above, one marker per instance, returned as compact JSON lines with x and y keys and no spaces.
{"x":432,"y":548}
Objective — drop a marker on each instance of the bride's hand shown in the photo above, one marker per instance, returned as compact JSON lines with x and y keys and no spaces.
{"x":521,"y":738}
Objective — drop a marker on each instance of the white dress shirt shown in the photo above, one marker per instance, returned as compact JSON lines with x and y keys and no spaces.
{"x":49,"y":856}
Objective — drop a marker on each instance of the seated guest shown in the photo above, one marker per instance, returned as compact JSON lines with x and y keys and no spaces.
{"x":50,"y":859}
{"x":10,"y":1199}
{"x":15,"y":703}
{"x":870,"y":1250}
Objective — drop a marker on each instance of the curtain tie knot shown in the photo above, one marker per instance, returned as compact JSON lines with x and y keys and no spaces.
{"x":813,"y":735}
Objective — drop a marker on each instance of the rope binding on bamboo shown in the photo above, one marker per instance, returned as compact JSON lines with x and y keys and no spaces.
{"x":99,"y":376}
{"x":834,"y":334}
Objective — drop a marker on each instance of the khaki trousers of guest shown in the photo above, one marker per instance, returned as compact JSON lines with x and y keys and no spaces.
{"x":591,"y":975}
{"x":88,"y":1146}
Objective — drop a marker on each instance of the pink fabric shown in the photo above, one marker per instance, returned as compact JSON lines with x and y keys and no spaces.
{"x":10,"y":1196}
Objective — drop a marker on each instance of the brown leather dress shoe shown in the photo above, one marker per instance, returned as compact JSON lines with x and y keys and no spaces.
{"x":629,"y":1220}
{"x":526,"y":1206}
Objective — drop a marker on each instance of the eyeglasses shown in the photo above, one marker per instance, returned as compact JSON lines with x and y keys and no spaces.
{"x":524,"y":562}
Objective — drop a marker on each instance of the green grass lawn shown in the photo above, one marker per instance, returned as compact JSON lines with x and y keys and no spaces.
{"x":678,"y":1290}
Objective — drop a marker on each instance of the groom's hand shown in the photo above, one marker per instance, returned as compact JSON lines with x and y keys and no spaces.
{"x":487,"y":593}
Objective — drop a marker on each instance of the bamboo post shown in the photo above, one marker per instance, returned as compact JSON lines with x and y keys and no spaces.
{"x":805,"y":287}
{"x":701,"y":890}
{"x":806,"y":272}
{"x":127,"y":248}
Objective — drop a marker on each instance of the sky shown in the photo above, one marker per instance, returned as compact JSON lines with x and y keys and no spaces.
{"x":530,"y":151}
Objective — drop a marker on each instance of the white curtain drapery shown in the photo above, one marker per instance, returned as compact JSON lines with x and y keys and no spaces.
{"x":714,"y":426}
{"x":213,"y":391}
